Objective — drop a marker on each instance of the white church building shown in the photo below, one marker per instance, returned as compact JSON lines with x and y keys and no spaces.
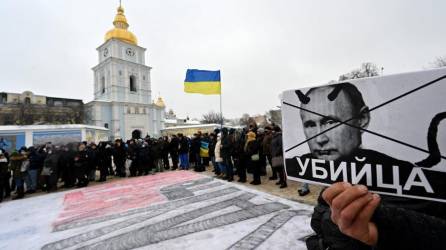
{"x":122,"y":86}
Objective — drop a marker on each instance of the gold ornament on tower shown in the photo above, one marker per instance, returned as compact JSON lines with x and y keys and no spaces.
{"x":120,"y":31}
{"x":160,"y":102}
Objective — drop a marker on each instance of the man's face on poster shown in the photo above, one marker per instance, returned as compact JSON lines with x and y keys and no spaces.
{"x":340,"y":141}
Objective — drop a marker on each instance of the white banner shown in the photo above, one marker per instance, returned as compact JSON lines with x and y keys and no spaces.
{"x":388,"y":133}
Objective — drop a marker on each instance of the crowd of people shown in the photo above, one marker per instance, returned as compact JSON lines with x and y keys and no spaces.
{"x":231,"y":152}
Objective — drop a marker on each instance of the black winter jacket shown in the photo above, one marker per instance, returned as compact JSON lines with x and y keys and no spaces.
{"x":398,"y":228}
{"x":276,"y":145}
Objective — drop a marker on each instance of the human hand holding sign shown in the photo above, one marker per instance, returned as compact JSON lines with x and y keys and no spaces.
{"x":352,"y":208}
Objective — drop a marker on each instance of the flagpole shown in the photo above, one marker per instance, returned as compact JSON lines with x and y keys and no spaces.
{"x":221,"y":112}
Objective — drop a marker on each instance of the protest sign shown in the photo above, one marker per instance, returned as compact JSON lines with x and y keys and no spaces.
{"x":385,"y":132}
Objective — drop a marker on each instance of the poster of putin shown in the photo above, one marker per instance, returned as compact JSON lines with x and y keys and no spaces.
{"x":386,"y":132}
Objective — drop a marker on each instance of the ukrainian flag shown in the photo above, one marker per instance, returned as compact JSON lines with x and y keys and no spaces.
{"x":204,"y":149}
{"x":202,"y":82}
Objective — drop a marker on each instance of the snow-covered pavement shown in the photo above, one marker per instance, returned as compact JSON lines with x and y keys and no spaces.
{"x":172,"y":210}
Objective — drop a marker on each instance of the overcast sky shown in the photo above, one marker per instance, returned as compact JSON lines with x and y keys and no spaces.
{"x":262,"y":47}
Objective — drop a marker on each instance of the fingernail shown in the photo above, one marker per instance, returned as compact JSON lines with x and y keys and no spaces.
{"x":376,"y":196}
{"x":346,"y":184}
{"x":369,"y":197}
{"x":362,"y":188}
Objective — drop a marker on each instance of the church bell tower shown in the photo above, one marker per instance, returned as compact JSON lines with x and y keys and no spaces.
{"x":122,"y":88}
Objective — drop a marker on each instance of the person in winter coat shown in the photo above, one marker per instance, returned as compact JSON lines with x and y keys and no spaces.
{"x":81,"y":166}
{"x":351,"y":217}
{"x":103,"y":161}
{"x":145,"y":159}
{"x":173,"y":150}
{"x":262,"y":156}
{"x":132,"y":154}
{"x":35,"y":166}
{"x":219,"y":159}
{"x":252,"y":148}
{"x":66,"y":160}
{"x":205,"y":156}
{"x":266,"y":144}
{"x":156,"y":153}
{"x":165,"y":152}
{"x":108,"y":159}
{"x":7,"y":176}
{"x":241,"y":160}
{"x":212,"y":143}
{"x":226,"y":153}
{"x":50,"y":168}
{"x":195,"y":151}
{"x":184,"y":152}
{"x":4,"y":179}
{"x":93,"y":161}
{"x":119,"y":157}
{"x":18,"y":167}
{"x":277,"y":154}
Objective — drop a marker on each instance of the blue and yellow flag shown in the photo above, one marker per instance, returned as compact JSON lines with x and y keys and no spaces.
{"x":202,"y":82}
{"x":204,"y":149}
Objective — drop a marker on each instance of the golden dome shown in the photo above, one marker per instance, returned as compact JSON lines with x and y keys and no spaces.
{"x":120,"y":31}
{"x":160,"y":103}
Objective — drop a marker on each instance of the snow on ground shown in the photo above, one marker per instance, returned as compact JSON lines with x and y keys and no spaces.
{"x":173,"y":210}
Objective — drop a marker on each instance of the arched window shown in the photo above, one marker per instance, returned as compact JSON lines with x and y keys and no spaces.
{"x":103,"y":85}
{"x":27,"y":100}
{"x":132,"y":83}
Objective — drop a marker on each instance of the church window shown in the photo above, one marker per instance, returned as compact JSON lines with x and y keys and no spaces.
{"x":103,"y":85}
{"x":132,"y":83}
{"x":129,"y":111}
{"x":105,"y":125}
{"x":27,"y":100}
{"x":136,"y":110}
{"x":144,"y":78}
{"x":120,"y":73}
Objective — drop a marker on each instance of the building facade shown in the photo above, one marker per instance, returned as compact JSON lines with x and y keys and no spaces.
{"x":27,"y":109}
{"x":122,"y":86}
{"x":14,"y":137}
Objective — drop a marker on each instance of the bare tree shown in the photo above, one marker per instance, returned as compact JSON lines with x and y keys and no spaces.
{"x":233,"y":122}
{"x":439,"y":62}
{"x":367,"y":69}
{"x":245,"y":119}
{"x":212,"y":117}
{"x":276,"y":116}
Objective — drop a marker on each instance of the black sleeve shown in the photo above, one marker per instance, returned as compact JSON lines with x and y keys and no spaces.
{"x":399,"y":228}
{"x":328,"y":235}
